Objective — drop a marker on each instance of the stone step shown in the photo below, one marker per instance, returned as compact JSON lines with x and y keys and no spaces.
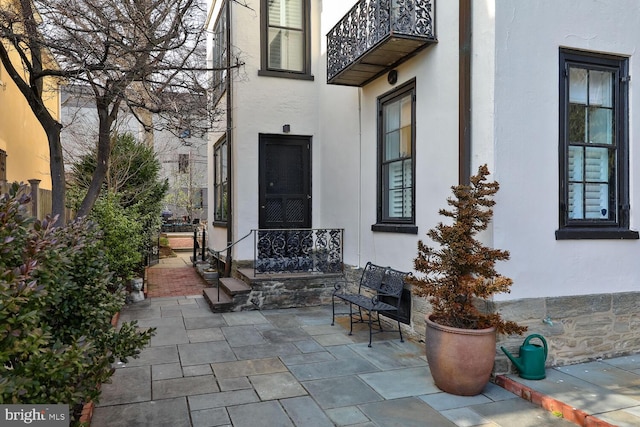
{"x":211,"y":296}
{"x":233,"y":286}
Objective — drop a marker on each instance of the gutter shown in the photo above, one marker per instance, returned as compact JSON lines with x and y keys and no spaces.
{"x":464,"y":90}
{"x":227,"y":265}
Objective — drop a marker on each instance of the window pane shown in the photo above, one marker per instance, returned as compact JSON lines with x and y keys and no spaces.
{"x":577,"y":85}
{"x":286,"y":49}
{"x":596,"y":201}
{"x":576,"y":160}
{"x":392,"y":145}
{"x":597,"y":164}
{"x":405,"y":141}
{"x":406,"y":202}
{"x":600,"y":125}
{"x":407,"y":178}
{"x":392,"y":116}
{"x":577,"y":123}
{"x":601,"y":88}
{"x":405,"y":108}
{"x":575,"y":201}
{"x":395,"y":177}
{"x":223,"y":160}
{"x":285,"y":13}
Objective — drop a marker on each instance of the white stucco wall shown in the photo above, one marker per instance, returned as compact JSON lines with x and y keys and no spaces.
{"x":435,"y":70}
{"x":514,"y":131}
{"x":264,"y":104}
{"x":528,"y":36}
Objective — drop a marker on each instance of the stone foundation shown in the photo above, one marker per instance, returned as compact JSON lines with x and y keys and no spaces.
{"x":576,"y":328}
{"x":272,"y":291}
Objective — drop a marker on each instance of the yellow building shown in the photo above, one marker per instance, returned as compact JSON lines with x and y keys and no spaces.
{"x":24,"y":149}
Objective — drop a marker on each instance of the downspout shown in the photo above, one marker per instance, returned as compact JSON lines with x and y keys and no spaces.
{"x":227,"y":265}
{"x":359,"y":176}
{"x":464,"y":91}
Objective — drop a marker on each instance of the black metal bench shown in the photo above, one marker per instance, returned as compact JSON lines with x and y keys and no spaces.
{"x":379,"y":291}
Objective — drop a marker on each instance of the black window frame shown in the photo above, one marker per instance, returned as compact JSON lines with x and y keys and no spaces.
{"x":265,"y":70}
{"x":383,"y":222}
{"x":220,"y":189}
{"x":183,"y":163}
{"x":618,"y":227}
{"x":3,"y":166}
{"x":219,"y":52}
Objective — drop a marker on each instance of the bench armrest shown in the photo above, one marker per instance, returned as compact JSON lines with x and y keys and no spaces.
{"x":340,"y":286}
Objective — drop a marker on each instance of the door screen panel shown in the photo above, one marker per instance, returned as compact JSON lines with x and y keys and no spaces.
{"x":285,"y":182}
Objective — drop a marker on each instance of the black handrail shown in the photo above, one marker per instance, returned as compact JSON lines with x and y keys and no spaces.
{"x":216,"y":254}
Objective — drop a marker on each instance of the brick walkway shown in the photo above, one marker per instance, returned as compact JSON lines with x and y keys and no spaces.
{"x":174,"y":277}
{"x":180,"y":242}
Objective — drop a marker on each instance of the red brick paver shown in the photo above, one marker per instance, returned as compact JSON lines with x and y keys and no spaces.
{"x":181,"y":242}
{"x":174,"y":281}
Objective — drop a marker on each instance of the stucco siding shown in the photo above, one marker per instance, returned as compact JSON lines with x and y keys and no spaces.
{"x":528,"y":38}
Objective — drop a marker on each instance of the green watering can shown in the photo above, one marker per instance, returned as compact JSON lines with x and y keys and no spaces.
{"x":530,"y":364}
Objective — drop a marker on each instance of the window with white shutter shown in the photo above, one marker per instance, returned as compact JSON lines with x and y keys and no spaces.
{"x":594,"y":176}
{"x":396,"y":147}
{"x":285,"y":39}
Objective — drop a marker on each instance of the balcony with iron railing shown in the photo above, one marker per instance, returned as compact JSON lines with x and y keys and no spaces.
{"x":376,"y":36}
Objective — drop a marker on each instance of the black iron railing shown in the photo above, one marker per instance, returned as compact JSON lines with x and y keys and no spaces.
{"x":298,"y":250}
{"x":371,"y":21}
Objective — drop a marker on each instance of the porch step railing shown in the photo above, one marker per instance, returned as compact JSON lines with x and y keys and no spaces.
{"x":292,"y":250}
{"x":309,"y":250}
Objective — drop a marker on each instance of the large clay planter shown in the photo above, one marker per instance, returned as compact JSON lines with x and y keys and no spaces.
{"x":460,"y":360}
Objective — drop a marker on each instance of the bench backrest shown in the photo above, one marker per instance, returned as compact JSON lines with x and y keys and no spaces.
{"x":383,"y":280}
{"x":393,"y":283}
{"x":372,"y":276}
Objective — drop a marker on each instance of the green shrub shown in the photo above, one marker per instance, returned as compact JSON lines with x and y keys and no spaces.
{"x":133,"y":182}
{"x":122,"y":236}
{"x":56,"y":341}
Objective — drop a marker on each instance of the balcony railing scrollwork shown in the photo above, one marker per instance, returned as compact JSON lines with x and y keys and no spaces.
{"x":377,"y":35}
{"x":298,"y":250}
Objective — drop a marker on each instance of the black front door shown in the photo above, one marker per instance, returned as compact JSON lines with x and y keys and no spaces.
{"x":285,"y":181}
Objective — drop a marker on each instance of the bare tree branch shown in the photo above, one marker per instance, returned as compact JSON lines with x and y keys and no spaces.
{"x":147,"y":55}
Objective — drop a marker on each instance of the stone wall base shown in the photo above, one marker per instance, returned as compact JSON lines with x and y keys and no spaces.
{"x":577,"y":328}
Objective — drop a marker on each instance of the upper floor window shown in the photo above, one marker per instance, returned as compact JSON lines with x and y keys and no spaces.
{"x":219,"y":54}
{"x":396,"y":154}
{"x":183,"y":163}
{"x":594,"y":146}
{"x":286,"y":39}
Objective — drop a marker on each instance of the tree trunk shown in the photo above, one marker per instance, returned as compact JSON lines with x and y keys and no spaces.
{"x":56,"y":167}
{"x":104,"y":150}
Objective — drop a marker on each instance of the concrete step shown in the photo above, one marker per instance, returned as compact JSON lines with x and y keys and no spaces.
{"x":225,"y":304}
{"x":233,"y":286}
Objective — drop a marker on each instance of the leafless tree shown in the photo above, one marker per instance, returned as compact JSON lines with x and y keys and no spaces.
{"x":147,"y":55}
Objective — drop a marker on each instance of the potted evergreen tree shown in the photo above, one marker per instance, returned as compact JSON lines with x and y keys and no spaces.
{"x":456,"y":277}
